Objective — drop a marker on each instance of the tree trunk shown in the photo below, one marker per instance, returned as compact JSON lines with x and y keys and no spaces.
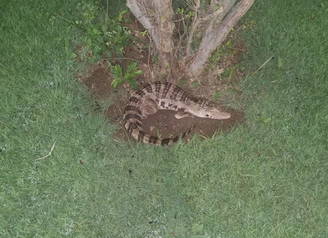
{"x":166,"y":29}
{"x":216,"y":35}
{"x":157,"y":17}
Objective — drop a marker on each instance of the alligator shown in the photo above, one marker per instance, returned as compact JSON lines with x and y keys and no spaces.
{"x":165,"y":96}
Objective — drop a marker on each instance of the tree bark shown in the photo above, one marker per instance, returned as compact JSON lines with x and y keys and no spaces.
{"x":157,"y":17}
{"x":166,"y":37}
{"x":146,"y":17}
{"x":215,"y":35}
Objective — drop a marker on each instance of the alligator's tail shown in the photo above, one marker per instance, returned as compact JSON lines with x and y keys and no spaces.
{"x":139,"y":134}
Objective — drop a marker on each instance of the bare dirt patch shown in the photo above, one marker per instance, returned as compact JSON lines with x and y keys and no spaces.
{"x":214,"y":85}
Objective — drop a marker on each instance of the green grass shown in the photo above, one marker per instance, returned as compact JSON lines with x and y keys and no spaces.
{"x":266,"y":178}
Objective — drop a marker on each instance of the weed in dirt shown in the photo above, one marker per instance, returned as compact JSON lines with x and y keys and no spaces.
{"x":129,"y":76}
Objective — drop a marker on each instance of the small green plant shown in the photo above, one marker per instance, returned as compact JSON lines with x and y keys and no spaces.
{"x":221,"y":51}
{"x":103,"y":35}
{"x":249,"y":24}
{"x":214,"y":59}
{"x":228,"y":72}
{"x":185,"y":13}
{"x":129,"y":76}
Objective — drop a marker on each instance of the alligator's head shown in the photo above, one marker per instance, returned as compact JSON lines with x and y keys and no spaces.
{"x":208,"y":109}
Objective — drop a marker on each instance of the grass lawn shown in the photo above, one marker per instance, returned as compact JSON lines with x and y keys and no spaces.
{"x":266,"y":178}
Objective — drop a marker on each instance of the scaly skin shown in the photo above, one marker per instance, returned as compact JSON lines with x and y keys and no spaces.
{"x":165,"y":96}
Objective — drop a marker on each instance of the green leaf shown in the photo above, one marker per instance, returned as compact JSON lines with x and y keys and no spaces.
{"x":104,"y":28}
{"x":96,"y":49}
{"x":116,"y":82}
{"x":118,"y":71}
{"x":118,"y":28}
{"x":120,"y":16}
{"x":109,"y":55}
{"x":180,"y":10}
{"x":132,"y":66}
{"x":133,"y":84}
{"x":138,"y":72}
{"x":118,"y":48}
{"x":100,"y":39}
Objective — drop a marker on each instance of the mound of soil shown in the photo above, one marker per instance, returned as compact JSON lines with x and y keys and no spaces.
{"x":163,"y":123}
